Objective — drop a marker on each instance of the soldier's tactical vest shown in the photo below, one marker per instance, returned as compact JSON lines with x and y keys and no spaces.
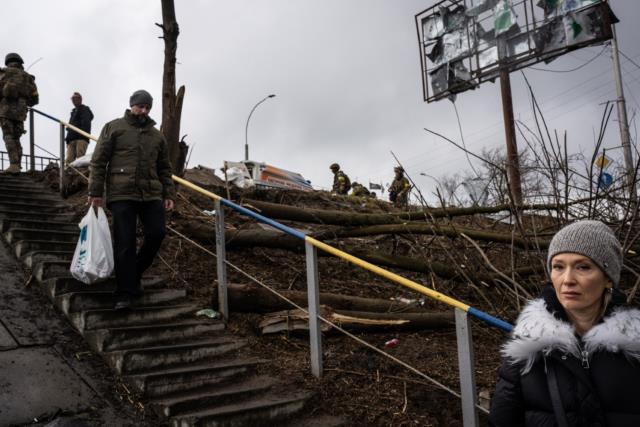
{"x":17,"y":92}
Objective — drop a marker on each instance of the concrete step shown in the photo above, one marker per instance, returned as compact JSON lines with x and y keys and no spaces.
{"x":99,"y":319}
{"x":9,"y":223}
{"x":258,"y":411}
{"x":80,"y":301}
{"x":51,"y":207}
{"x":167,"y":381}
{"x":140,"y":360}
{"x":27,"y":194}
{"x":48,"y":269}
{"x":210,"y":396}
{"x":39,"y":216}
{"x":8,"y":190}
{"x":64,"y":284}
{"x":15,"y":234}
{"x":31,"y":259}
{"x":32,"y":199}
{"x":23,"y":246}
{"x":152,"y":335}
{"x":25,"y":184}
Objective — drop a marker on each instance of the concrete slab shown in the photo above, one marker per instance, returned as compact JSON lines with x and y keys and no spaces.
{"x":32,"y":387}
{"x":6,"y":340}
{"x":29,"y":322}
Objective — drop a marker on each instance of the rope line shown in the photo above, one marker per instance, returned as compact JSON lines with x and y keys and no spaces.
{"x":328,"y":322}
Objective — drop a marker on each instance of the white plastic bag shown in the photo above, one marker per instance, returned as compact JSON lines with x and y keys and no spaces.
{"x":82,"y":161}
{"x":93,"y":258}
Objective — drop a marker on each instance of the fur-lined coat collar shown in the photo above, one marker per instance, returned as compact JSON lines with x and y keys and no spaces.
{"x":541,"y":330}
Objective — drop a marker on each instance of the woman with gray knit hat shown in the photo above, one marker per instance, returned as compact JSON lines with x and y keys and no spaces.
{"x":574,"y":355}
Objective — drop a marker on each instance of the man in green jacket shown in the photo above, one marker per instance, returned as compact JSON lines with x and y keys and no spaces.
{"x":131,"y":160}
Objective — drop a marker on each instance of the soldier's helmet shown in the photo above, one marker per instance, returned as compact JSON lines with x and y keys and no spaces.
{"x":12,"y":57}
{"x":399,"y":169}
{"x":334,"y":166}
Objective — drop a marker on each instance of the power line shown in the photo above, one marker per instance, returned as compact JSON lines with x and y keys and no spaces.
{"x":629,"y":59}
{"x":572,"y":69}
{"x":586,"y":93}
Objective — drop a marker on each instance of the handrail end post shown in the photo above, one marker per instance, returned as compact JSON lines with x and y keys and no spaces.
{"x":221,"y":259}
{"x":32,"y":141}
{"x":313,"y":294}
{"x":467,"y":369}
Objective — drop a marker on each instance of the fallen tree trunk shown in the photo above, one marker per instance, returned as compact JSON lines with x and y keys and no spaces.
{"x":423,"y":228}
{"x":256,"y":299}
{"x":298,"y":320}
{"x":365,"y":320}
{"x":276,"y":240}
{"x":334,"y":217}
{"x":253,"y":238}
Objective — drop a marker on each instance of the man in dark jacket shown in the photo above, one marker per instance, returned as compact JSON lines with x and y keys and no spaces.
{"x":131,"y":159}
{"x":81,"y":117}
{"x":17,"y":92}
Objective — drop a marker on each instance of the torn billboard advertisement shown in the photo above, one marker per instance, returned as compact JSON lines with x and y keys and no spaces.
{"x":466,"y":42}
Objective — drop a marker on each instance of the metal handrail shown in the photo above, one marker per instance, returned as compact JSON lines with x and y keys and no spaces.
{"x":493,"y":321}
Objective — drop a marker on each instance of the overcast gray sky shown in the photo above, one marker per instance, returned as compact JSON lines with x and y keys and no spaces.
{"x":346,"y":75}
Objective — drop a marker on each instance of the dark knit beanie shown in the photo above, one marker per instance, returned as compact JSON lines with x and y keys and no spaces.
{"x":140,"y":97}
{"x":592,"y":239}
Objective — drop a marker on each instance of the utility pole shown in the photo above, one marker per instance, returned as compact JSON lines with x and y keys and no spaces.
{"x":513,"y":162}
{"x":623,"y":122}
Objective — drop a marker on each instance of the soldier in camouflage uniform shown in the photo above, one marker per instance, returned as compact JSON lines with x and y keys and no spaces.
{"x":17,"y":92}
{"x":341,"y":183}
{"x":400,"y":188}
{"x":359,"y":190}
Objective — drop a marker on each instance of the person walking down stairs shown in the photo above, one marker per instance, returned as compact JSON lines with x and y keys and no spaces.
{"x":132,"y":159}
{"x":81,"y":117}
{"x":17,"y":92}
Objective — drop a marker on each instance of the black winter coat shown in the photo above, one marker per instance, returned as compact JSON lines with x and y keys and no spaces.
{"x":598,"y":374}
{"x":81,"y":117}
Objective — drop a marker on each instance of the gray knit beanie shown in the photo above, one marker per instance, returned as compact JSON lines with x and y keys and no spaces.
{"x":592,"y":239}
{"x":140,"y":97}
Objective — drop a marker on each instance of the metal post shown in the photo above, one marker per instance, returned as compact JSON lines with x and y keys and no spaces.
{"x":62,"y":189}
{"x":32,"y":142}
{"x":466,"y":368}
{"x":513,"y":163}
{"x":313,"y":293}
{"x":221,"y":257}
{"x":623,"y":122}
{"x":246,"y":128}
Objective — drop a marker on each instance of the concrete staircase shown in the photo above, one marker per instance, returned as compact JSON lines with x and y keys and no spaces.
{"x":189,"y":371}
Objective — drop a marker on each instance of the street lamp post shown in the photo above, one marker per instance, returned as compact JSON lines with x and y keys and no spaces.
{"x":246,"y":128}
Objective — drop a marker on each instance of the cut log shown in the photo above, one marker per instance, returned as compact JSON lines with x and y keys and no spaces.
{"x":429,"y":229}
{"x":298,"y":320}
{"x":334,"y":217}
{"x":370,"y":321}
{"x":256,"y":299}
{"x":253,"y":238}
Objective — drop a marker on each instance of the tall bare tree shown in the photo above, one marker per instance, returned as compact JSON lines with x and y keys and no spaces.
{"x":171,"y":101}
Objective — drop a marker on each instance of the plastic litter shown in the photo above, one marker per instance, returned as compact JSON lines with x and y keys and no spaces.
{"x":392,"y":343}
{"x":82,"y":161}
{"x":212,"y":212}
{"x":209,"y":312}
